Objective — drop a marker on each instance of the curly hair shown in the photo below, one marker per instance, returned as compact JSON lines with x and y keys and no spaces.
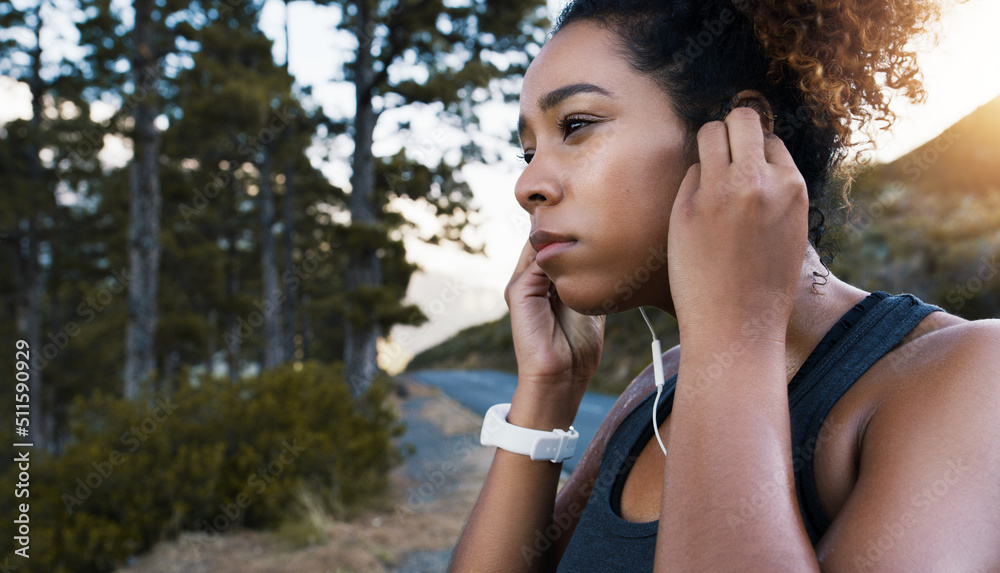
{"x":823,"y":66}
{"x":841,"y":54}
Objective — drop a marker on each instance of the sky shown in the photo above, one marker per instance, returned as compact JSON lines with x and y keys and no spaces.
{"x":455,"y":289}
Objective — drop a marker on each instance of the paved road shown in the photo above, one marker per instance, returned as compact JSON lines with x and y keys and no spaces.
{"x":480,"y":389}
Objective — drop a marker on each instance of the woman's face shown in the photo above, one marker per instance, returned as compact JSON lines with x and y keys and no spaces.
{"x":606,"y":155}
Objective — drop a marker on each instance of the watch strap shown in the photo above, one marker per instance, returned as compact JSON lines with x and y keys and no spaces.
{"x":555,"y":446}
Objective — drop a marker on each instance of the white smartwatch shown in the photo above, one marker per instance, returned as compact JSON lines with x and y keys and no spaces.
{"x":554,"y":446}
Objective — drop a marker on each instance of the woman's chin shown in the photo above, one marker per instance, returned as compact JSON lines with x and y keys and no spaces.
{"x":588,"y":302}
{"x":591,"y":301}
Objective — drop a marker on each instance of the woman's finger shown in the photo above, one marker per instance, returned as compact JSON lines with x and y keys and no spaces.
{"x":690,"y":184}
{"x":746,"y":136}
{"x":775,"y":151}
{"x":713,"y":147}
{"x":527,"y":257}
{"x":528,"y":278}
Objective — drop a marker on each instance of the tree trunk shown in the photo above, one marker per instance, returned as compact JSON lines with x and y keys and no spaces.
{"x":270,"y":305}
{"x":233,"y":332}
{"x":232,"y":329}
{"x":144,"y":211}
{"x":31,"y":327}
{"x":287,"y":233}
{"x":170,"y":365}
{"x":364,"y":268}
{"x":307,"y":331}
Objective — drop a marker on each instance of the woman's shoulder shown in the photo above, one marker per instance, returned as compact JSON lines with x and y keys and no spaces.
{"x":928,"y":453}
{"x":943,"y":347}
{"x":946,"y":367}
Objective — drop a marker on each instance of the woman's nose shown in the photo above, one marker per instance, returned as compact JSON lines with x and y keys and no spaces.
{"x":537,"y":186}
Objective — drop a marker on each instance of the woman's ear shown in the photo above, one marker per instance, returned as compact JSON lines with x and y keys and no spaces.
{"x":755,"y":100}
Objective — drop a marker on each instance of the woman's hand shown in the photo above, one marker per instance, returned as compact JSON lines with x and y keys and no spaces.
{"x":738,"y":233}
{"x":736,"y":247}
{"x":557,"y":348}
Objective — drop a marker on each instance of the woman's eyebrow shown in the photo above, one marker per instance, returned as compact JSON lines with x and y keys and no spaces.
{"x":556,"y":96}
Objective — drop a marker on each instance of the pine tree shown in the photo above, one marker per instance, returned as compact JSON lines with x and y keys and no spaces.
{"x":44,"y":155}
{"x":458,"y":48}
{"x":239,"y":121}
{"x":136,"y":63}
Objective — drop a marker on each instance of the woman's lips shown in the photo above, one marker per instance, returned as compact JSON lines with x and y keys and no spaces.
{"x":548,"y":244}
{"x":551,"y":250}
{"x":539,"y":238}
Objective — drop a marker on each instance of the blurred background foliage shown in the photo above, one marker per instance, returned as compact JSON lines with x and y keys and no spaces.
{"x":211,"y":457}
{"x":928,"y":223}
{"x":168,"y":234}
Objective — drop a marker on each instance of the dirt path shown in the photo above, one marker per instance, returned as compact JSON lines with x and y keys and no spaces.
{"x":433,"y":492}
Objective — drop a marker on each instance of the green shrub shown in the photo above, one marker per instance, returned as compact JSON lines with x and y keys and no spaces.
{"x":213,"y":456}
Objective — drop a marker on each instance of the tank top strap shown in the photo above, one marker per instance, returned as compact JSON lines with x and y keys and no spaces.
{"x":879,"y":327}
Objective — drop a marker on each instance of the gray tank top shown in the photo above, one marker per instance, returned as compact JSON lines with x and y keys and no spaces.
{"x":605,"y":542}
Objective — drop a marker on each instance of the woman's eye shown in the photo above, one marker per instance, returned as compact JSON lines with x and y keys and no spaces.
{"x":570,"y":125}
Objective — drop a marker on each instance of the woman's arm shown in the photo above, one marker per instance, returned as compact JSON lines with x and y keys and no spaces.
{"x":517,"y":501}
{"x":557,"y":353}
{"x":927,"y":496}
{"x":729,"y":447}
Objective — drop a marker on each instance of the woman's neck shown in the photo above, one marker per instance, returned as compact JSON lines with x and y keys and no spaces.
{"x":821,"y":301}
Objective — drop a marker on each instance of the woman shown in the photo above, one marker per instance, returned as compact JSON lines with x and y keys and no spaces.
{"x":807,"y":425}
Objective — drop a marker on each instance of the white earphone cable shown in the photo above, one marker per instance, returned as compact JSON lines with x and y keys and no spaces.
{"x":658,"y":374}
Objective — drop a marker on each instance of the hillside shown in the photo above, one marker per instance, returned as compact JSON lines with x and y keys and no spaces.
{"x":929,"y":222}
{"x":489,"y":345}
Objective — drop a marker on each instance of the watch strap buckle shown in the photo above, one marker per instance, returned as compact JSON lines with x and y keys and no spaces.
{"x":560,"y":446}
